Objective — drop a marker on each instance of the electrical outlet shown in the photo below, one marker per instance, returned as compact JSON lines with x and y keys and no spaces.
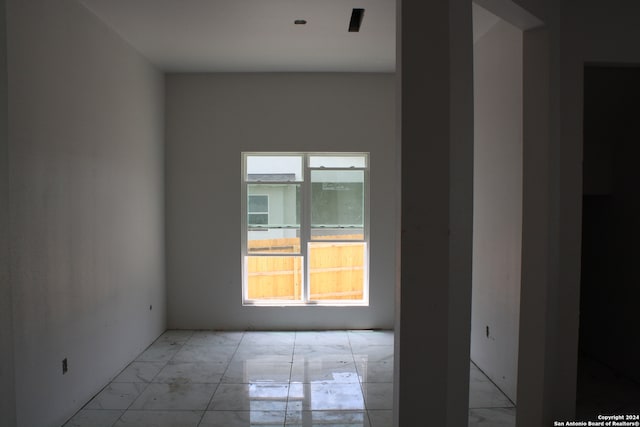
{"x":65,"y":366}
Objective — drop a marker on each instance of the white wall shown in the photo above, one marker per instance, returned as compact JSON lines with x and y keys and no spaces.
{"x":497,"y":224}
{"x":86,"y":213}
{"x":211,"y":119}
{"x":7,"y":391}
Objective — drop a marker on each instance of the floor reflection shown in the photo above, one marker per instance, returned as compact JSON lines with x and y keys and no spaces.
{"x":239,"y":379}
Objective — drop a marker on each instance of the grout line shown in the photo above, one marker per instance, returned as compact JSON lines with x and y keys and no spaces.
{"x":360,"y":380}
{"x":145,"y":383}
{"x":491,"y":381}
{"x":293,"y":352}
{"x":220,"y":382}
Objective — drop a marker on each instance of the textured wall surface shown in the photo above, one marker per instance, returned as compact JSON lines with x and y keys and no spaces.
{"x":497,"y":224}
{"x":86,"y":214}
{"x":7,"y":391}
{"x":211,"y":119}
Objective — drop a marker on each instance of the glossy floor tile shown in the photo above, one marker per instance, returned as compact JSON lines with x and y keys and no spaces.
{"x":142,"y":372}
{"x":488,"y":405}
{"x":257,"y":371}
{"x":328,"y":418}
{"x":191,"y":372}
{"x":242,"y":418}
{"x":95,"y":418}
{"x":116,"y":396}
{"x":237,"y":379}
{"x":133,"y":418}
{"x":325,"y":396}
{"x":484,"y":394}
{"x":378,"y":395}
{"x":492,"y":417}
{"x":379,"y":418}
{"x":260,"y":396}
{"x":159,"y":396}
{"x":331,"y":371}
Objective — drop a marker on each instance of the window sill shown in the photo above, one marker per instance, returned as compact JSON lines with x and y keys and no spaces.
{"x":284,"y":304}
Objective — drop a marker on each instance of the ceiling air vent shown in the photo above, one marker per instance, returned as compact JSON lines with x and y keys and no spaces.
{"x":356,"y":20}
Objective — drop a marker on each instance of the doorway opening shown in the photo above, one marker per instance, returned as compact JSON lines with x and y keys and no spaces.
{"x":497,"y":217}
{"x":609,"y":340}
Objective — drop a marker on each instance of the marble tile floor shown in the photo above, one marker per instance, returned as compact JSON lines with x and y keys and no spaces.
{"x":234,"y":379}
{"x":488,"y":405}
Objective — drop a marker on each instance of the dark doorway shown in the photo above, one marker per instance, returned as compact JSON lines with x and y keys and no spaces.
{"x":609,"y":348}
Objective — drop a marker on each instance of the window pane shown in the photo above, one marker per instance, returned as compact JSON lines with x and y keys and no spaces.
{"x":258,"y":219}
{"x":274,"y":168}
{"x":358,"y":161}
{"x":326,"y":261}
{"x":258,"y":203}
{"x":280,"y":203}
{"x":274,"y":241}
{"x":337,"y":233}
{"x":336,"y":270}
{"x":337,"y":203}
{"x":274,"y":277}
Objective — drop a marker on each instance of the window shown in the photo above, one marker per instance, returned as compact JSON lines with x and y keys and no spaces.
{"x":305,"y":228}
{"x":257,"y":210}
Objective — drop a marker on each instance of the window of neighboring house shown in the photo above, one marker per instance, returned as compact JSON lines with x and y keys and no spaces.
{"x":305,"y":228}
{"x":257,"y":210}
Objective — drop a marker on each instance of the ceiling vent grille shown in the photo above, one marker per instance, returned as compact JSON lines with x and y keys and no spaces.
{"x":356,"y":20}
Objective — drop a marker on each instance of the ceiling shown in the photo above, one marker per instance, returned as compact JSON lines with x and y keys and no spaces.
{"x":260,"y":35}
{"x":255,"y":35}
{"x":483,"y":21}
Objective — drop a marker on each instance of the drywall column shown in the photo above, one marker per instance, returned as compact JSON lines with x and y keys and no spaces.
{"x":536,"y":240}
{"x":436,"y":130}
{"x":7,"y":393}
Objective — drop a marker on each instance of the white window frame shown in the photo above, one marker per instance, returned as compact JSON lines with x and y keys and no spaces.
{"x":305,"y":229}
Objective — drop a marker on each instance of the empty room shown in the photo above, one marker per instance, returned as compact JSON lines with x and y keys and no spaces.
{"x":153,"y":136}
{"x":275,"y":212}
